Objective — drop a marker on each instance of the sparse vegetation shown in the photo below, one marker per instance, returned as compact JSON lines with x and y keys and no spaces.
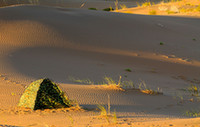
{"x":104,"y":113}
{"x":123,"y":6}
{"x":75,"y":105}
{"x":128,"y":84}
{"x":152,"y":12}
{"x":110,"y":118}
{"x":179,"y":97}
{"x":108,"y":9}
{"x":109,"y":82}
{"x":161,"y":43}
{"x":146,"y":4}
{"x":170,"y":12}
{"x":144,"y":89}
{"x":83,"y":81}
{"x":115,"y":117}
{"x":138,"y":4}
{"x":92,"y":8}
{"x":193,"y":113}
{"x":102,"y":110}
{"x":194,"y":90}
{"x":120,"y":85}
{"x":128,"y":70}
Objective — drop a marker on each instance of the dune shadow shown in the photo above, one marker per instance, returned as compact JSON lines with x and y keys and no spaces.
{"x":59,"y":64}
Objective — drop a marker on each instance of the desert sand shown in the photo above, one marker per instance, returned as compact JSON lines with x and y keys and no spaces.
{"x":58,"y":43}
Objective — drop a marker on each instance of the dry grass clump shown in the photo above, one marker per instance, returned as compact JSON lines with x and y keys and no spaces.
{"x":152,"y":12}
{"x":111,"y":118}
{"x":82,"y":81}
{"x":109,"y":83}
{"x":193,"y":113}
{"x":146,"y":4}
{"x":194,"y":90}
{"x":144,"y":89}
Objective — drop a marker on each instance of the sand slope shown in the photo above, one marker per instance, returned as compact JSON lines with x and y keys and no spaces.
{"x":37,"y":42}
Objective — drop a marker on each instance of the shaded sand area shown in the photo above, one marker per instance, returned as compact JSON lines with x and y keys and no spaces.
{"x":84,"y":4}
{"x":38,"y":42}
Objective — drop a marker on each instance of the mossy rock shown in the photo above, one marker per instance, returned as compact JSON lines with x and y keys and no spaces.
{"x":43,"y":94}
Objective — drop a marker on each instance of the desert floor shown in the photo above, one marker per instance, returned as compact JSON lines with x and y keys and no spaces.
{"x":60,"y":43}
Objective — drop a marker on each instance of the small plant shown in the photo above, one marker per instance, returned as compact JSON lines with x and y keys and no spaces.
{"x":128,"y":70}
{"x":92,"y":8}
{"x":109,"y":81}
{"x":144,"y":89}
{"x":115,"y":117}
{"x":75,"y":104}
{"x":194,"y":39}
{"x":194,"y":90}
{"x":179,"y":97}
{"x":152,"y":12}
{"x":146,"y":4}
{"x":123,"y":6}
{"x":106,"y":113}
{"x":128,"y":84}
{"x":138,"y":4}
{"x":192,"y":113}
{"x":102,"y":110}
{"x":170,"y":12}
{"x":84,"y":81}
{"x":161,"y":43}
{"x":108,"y":9}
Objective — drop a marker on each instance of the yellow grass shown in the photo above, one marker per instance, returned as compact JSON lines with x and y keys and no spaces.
{"x":174,"y":7}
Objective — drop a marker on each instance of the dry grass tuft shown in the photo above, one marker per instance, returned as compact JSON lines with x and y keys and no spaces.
{"x":144,"y":89}
{"x":152,"y":12}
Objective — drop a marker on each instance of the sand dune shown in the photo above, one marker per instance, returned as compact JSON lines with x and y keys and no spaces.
{"x":38,"y":41}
